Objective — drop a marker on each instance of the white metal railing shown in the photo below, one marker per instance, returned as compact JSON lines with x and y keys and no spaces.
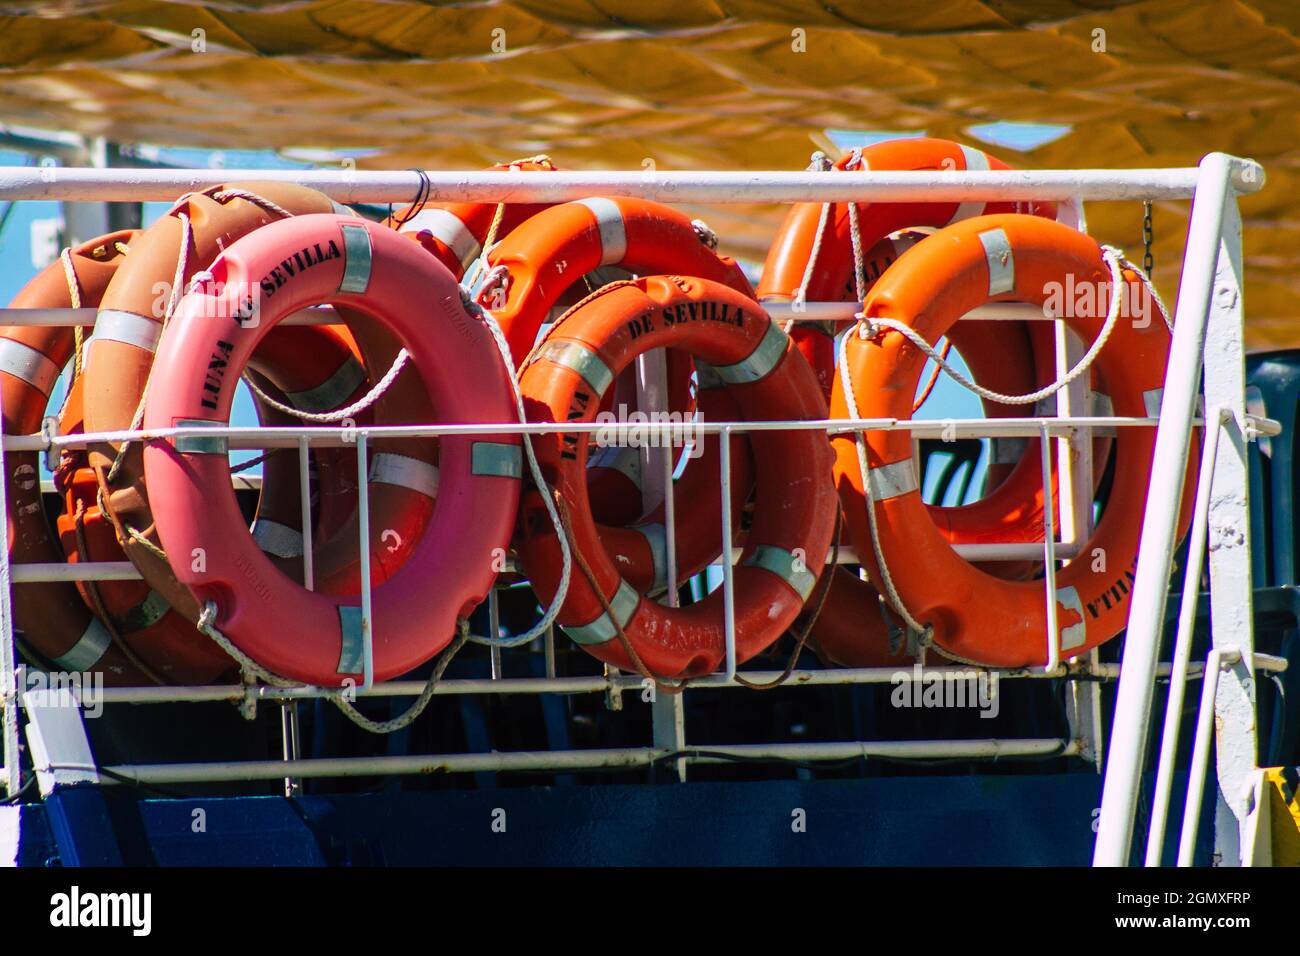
{"x":1209,"y":326}
{"x":1214,"y":184}
{"x":354,"y":185}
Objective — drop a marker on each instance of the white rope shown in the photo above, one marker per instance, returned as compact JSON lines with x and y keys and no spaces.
{"x":338,"y":696}
{"x":851,"y":402}
{"x":705,"y":234}
{"x":855,"y":235}
{"x":870,"y":327}
{"x":562,"y":592}
{"x":227,"y":194}
{"x":70,"y":275}
{"x":360,"y":405}
{"x":820,"y":163}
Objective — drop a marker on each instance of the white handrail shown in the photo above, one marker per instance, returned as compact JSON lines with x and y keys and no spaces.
{"x":1183,"y":641}
{"x":740,"y":186}
{"x":1124,"y":765}
{"x":1214,"y":662}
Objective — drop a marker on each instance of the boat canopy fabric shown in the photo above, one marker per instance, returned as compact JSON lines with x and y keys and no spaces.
{"x":696,"y":84}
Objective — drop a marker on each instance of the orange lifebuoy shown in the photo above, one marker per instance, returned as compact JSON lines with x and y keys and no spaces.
{"x":309,"y":635}
{"x":1007,"y":357}
{"x":794,"y":510}
{"x":975,"y":616}
{"x":50,"y":617}
{"x":832,"y":279}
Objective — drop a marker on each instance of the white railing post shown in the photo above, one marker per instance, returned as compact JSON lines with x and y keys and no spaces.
{"x":1231,"y":609}
{"x":1127,"y":747}
{"x":8,"y":656}
{"x":1182,"y":653}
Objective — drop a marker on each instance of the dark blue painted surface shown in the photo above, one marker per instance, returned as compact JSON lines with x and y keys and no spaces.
{"x":888,"y":821}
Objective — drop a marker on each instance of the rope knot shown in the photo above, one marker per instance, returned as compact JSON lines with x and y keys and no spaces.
{"x":819,"y":162}
{"x":497,"y":280}
{"x":705,"y":234}
{"x":199,"y":278}
{"x":868,"y":329}
{"x":207,"y":615}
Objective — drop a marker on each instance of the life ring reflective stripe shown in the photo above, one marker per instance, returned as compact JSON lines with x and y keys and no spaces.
{"x":310,"y":635}
{"x":791,"y":531}
{"x":976,"y":616}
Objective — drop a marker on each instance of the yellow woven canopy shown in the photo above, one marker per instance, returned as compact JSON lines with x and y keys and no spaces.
{"x":696,"y":84}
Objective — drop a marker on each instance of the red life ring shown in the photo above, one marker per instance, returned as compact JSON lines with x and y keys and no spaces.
{"x":974,"y":615}
{"x":794,"y":511}
{"x":306,"y":635}
{"x":120,"y":355}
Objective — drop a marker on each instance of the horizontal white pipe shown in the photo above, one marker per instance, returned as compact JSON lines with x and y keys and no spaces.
{"x":553,"y":685}
{"x":1080,"y":667}
{"x":249,"y":437}
{"x":1004,"y":551}
{"x":62,"y":318}
{"x":781,"y":311}
{"x":577,"y":759}
{"x":36,"y":573}
{"x":348,"y":185}
{"x":326,"y":315}
{"x":971,"y":552}
{"x":1268,"y":663}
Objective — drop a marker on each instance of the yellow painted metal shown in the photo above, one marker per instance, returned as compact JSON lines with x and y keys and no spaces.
{"x":1282,"y":786}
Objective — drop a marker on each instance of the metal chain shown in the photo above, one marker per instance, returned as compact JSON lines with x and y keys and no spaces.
{"x":1148,"y":238}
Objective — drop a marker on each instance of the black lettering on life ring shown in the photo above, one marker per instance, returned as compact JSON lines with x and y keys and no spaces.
{"x":299,"y":262}
{"x":216,"y":374}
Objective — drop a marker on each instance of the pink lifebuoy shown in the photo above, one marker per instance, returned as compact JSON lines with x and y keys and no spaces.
{"x":283,"y":267}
